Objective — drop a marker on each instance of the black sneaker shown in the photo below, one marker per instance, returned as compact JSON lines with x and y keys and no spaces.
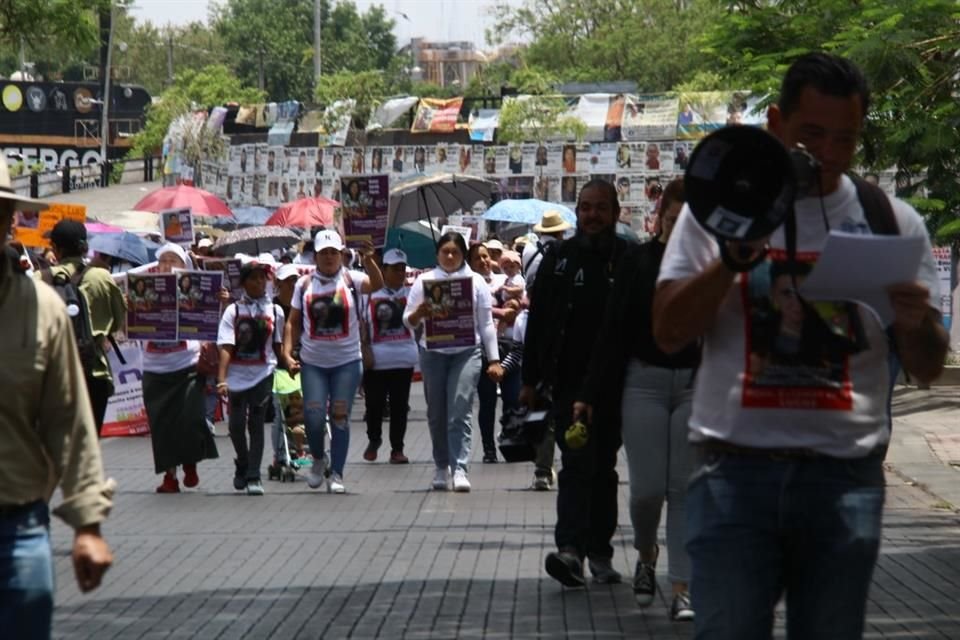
{"x":644,"y":583}
{"x":603,"y":571}
{"x":566,"y":568}
{"x":490,"y":458}
{"x":240,"y":476}
{"x":680,"y":610}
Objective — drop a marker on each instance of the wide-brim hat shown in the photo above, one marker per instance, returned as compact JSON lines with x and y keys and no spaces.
{"x":22,"y":203}
{"x":552,"y":222}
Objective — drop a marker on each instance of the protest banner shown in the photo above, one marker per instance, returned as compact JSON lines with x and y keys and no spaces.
{"x":365,"y":206}
{"x":230,"y":267}
{"x":176,"y":226}
{"x":152,"y":306}
{"x":650,"y":117}
{"x":198,"y":304}
{"x":31,"y":228}
{"x":464,"y":231}
{"x":452,"y":323}
{"x":126,"y":415}
{"x":436,"y":116}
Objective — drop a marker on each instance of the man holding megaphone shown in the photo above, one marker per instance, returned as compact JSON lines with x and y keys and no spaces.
{"x":790,"y":412}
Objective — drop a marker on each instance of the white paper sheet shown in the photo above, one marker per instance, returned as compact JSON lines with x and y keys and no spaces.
{"x":859,"y":268}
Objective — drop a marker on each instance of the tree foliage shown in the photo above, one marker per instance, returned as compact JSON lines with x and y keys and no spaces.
{"x":65,"y":24}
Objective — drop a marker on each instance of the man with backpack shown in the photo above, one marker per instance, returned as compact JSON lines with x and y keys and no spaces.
{"x":790,"y":412}
{"x":101,"y":312}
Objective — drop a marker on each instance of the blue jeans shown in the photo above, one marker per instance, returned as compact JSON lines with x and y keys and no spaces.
{"x":758,"y":527}
{"x":333,"y":389}
{"x":26,"y":573}
{"x":450,"y":382}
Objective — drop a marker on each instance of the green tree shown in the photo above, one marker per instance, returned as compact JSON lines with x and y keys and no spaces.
{"x":191,"y":90}
{"x":64,"y":24}
{"x":908,"y":50}
{"x":650,"y":42}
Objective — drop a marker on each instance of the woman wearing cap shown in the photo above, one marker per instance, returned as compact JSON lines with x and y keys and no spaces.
{"x":394,"y":357}
{"x":450,"y":374}
{"x":657,"y":395}
{"x":173,"y":395}
{"x":325,"y":319}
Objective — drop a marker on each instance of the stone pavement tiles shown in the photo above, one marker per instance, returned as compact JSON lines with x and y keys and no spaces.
{"x":391,"y":559}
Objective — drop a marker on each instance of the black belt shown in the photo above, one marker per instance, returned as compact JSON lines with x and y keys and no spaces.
{"x":12,"y":510}
{"x":789,"y":453}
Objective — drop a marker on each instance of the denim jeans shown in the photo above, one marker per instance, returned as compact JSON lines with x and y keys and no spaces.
{"x":247,"y":412}
{"x":656,"y":410}
{"x":26,"y":573}
{"x":450,"y":382}
{"x":330,"y":390}
{"x":759,"y":526}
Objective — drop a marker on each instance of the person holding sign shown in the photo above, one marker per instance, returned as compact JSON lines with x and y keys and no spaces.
{"x":325,"y":319}
{"x":458,"y":326}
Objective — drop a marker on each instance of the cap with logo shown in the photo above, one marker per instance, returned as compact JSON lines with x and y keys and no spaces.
{"x":394,"y":256}
{"x":327,"y":239}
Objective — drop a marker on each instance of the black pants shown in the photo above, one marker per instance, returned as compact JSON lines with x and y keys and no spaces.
{"x":487,"y":415}
{"x":378,"y":384}
{"x":247,"y":411}
{"x":100,"y":390}
{"x":587,"y":483}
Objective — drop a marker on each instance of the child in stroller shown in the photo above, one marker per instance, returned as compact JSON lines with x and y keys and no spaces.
{"x":289,"y":434}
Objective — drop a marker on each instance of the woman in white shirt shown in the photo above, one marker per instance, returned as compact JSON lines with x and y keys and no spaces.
{"x":456,"y":313}
{"x":173,"y":395}
{"x":325,"y":319}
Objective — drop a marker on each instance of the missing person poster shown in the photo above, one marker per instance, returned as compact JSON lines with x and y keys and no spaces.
{"x":452,"y":323}
{"x":386,"y":319}
{"x":365,"y":205}
{"x":152,"y":306}
{"x":230,"y":267}
{"x":176,"y":226}
{"x":198,"y":304}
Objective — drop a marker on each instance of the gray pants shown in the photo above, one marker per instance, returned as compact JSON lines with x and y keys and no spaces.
{"x":656,"y":410}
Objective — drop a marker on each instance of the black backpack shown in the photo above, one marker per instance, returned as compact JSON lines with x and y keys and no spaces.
{"x":68,"y":288}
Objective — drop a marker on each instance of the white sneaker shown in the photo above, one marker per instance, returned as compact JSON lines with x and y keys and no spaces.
{"x":315,"y":475}
{"x":441,"y":480}
{"x":460,"y":481}
{"x":254,"y":488}
{"x":336,"y":484}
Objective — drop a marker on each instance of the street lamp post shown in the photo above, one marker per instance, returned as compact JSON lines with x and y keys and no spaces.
{"x":105,"y":107}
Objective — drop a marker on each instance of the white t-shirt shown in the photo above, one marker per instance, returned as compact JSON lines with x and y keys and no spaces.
{"x":772,"y":373}
{"x":169,"y":356}
{"x":484,"y":332}
{"x":330,"y":335}
{"x":248,"y":325}
{"x":392,"y":341}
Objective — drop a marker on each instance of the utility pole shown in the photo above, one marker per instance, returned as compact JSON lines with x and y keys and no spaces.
{"x":170,"y":57}
{"x":317,"y":36}
{"x":105,"y":98}
{"x":261,"y":83}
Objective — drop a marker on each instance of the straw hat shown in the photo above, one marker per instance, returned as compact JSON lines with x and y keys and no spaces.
{"x":21,"y":203}
{"x":552,"y":222}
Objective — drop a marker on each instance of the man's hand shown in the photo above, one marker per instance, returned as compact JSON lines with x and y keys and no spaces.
{"x":584,"y":410}
{"x":910,"y":301}
{"x":91,"y":557}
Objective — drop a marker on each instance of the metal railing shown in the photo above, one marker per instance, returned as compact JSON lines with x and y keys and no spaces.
{"x":69,"y":178}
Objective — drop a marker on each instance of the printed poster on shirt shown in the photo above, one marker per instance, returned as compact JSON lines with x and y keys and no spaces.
{"x":230,"y":267}
{"x":253,"y":328}
{"x":452,"y":323}
{"x":152,"y":306}
{"x":198,"y":304}
{"x":365,"y":206}
{"x":176,"y":226}
{"x":386,"y":316}
{"x":329,"y":311}
{"x":126,"y":415}
{"x":797,"y":352}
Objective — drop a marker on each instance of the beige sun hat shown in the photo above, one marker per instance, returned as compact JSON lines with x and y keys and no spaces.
{"x":552,"y":222}
{"x":22,"y":203}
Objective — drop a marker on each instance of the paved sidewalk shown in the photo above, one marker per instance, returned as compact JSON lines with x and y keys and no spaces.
{"x":391,"y":559}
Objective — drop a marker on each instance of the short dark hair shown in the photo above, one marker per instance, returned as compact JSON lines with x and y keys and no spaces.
{"x":455,"y":238}
{"x":829,"y":74}
{"x":611,"y":191}
{"x":673,"y":192}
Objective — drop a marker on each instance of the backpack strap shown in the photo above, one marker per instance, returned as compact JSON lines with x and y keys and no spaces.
{"x":876,"y":208}
{"x":356,"y":302}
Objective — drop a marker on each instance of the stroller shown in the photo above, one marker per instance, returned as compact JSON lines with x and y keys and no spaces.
{"x":289,"y":457}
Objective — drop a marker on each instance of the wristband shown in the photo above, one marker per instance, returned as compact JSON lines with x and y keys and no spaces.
{"x":221,"y":385}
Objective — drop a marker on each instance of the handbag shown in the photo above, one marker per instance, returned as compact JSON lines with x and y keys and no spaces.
{"x":208,"y":364}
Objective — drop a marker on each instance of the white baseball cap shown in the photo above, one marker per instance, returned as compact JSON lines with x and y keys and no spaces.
{"x":394,"y":256}
{"x":327,"y":239}
{"x":287,"y":271}
{"x":205,"y":242}
{"x":494,"y":244}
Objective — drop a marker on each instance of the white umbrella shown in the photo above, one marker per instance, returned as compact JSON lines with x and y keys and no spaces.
{"x":434,"y":197}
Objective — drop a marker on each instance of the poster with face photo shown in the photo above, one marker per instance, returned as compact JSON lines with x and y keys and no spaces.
{"x":276,"y":156}
{"x":230,"y":268}
{"x":176,"y":226}
{"x":465,"y":158}
{"x":629,"y":188}
{"x":377,"y":156}
{"x":260,"y":152}
{"x":329,"y":313}
{"x":681,"y":155}
{"x":602,"y":158}
{"x":198,"y":304}
{"x":452,"y":323}
{"x":397,"y":157}
{"x":152,"y":306}
{"x":544,"y":187}
{"x":386,"y":318}
{"x":335,"y":155}
{"x":364,"y":204}
{"x":515,"y":159}
{"x":273,"y":192}
{"x":418,"y":158}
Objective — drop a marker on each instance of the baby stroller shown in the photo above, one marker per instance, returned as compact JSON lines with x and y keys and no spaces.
{"x":288,"y":458}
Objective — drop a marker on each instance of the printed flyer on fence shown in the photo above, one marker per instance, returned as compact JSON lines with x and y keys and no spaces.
{"x":453,"y":323}
{"x":198,"y":304}
{"x":152,"y":306}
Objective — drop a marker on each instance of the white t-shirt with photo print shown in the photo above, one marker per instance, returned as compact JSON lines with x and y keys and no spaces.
{"x":392,"y":341}
{"x":252,"y":327}
{"x":169,"y":356}
{"x":330,"y":335}
{"x":776,"y":374}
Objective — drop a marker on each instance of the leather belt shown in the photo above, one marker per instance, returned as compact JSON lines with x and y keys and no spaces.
{"x":722,"y":446}
{"x":12,"y":510}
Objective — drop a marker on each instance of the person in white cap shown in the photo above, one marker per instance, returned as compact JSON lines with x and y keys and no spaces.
{"x":204,"y":247}
{"x":325,"y":319}
{"x":495,"y":249}
{"x":394,"y":353}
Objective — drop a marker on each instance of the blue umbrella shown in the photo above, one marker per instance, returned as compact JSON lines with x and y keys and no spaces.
{"x":125,"y":246}
{"x":526,"y":211}
{"x":420,"y":249}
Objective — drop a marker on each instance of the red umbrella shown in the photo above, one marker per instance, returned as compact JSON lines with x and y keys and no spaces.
{"x":203,"y":203}
{"x":305,"y":213}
